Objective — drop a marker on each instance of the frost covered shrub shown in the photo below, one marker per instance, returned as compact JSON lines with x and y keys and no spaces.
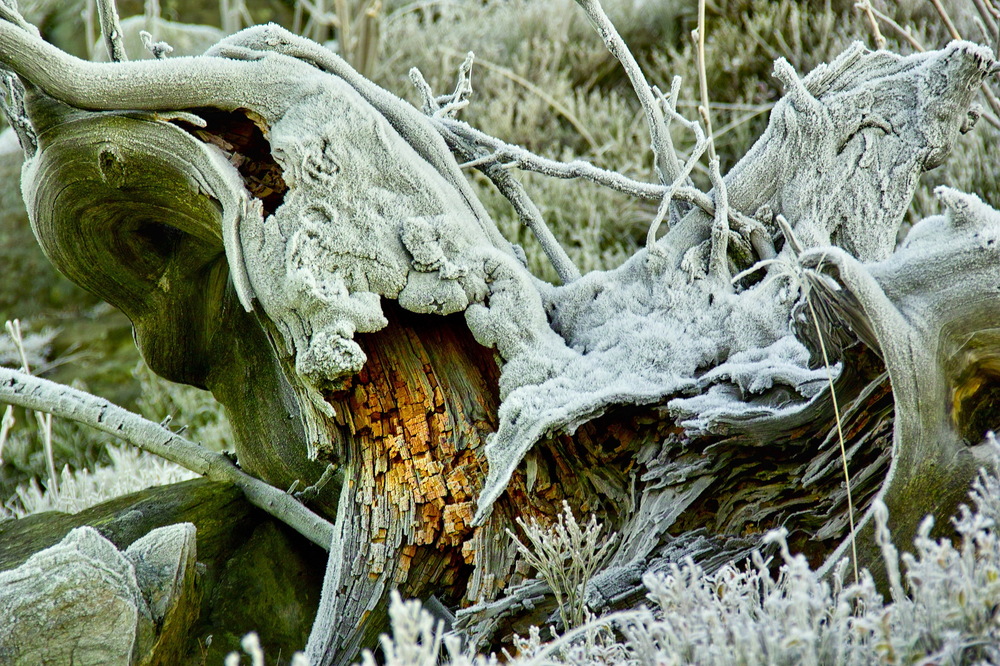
{"x":945,"y":609}
{"x":566,"y":555}
{"x":417,"y":640}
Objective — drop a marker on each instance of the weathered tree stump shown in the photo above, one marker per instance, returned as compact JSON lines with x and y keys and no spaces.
{"x":303,"y":244}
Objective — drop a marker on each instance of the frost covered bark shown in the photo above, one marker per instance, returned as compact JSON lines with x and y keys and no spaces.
{"x":303,"y":243}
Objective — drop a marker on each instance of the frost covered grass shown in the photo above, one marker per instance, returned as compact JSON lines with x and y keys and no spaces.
{"x":943,"y":609}
{"x":129,"y":471}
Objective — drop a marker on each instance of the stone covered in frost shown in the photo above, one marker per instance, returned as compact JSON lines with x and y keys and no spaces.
{"x":75,"y":602}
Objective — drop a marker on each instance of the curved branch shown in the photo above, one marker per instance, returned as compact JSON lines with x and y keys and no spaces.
{"x":176,"y":83}
{"x":41,"y":395}
{"x":667,"y":165}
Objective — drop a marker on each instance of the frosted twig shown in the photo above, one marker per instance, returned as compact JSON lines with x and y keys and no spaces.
{"x":701,"y":144}
{"x":699,"y":40}
{"x":459,"y":99}
{"x":9,"y":13}
{"x":989,"y":15}
{"x":531,"y":217}
{"x":559,"y":107}
{"x":428,"y":103}
{"x":786,"y":231}
{"x":666,"y":162}
{"x":504,"y":153}
{"x":111,"y":30}
{"x":309,"y":493}
{"x":869,"y":11}
{"x":718,"y":263}
{"x":159,"y":50}
{"x":507,"y":185}
{"x":795,"y":89}
{"x":41,"y":395}
{"x":898,"y":29}
{"x":880,"y":515}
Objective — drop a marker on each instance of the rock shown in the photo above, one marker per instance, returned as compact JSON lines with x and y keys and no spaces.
{"x":164,"y":562}
{"x":248,"y":573}
{"x":77,"y":602}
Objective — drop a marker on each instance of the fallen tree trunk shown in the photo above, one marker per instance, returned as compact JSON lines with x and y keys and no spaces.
{"x":302,"y":243}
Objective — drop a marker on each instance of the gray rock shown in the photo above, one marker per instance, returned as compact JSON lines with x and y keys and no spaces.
{"x":77,"y":602}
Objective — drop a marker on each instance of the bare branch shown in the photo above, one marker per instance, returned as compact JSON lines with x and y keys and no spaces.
{"x":505,"y":156}
{"x":41,"y":395}
{"x":701,"y":144}
{"x":558,"y":106}
{"x":866,"y":7}
{"x":111,"y":30}
{"x":459,"y":99}
{"x":467,"y":147}
{"x":9,"y":13}
{"x":667,"y":164}
{"x":943,"y":13}
{"x":900,"y":30}
{"x":511,"y":155}
{"x":989,"y":17}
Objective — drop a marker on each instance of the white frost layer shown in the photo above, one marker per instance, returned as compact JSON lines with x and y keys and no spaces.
{"x":638,"y":334}
{"x":375,"y":211}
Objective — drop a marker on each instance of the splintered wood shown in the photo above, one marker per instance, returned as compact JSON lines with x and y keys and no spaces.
{"x":418,"y":475}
